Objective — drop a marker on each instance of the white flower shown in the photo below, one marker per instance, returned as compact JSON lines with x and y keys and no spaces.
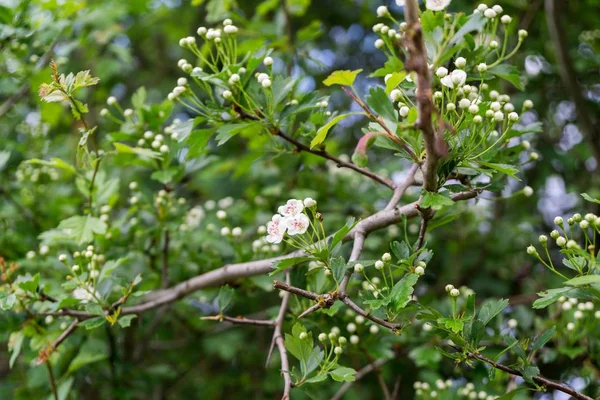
{"x":276,"y":229}
{"x":85,"y":295}
{"x":436,"y":5}
{"x":482,"y":67}
{"x":237,"y":231}
{"x":309,"y":202}
{"x":404,"y":111}
{"x":489,"y":13}
{"x":230,"y":29}
{"x":298,"y":224}
{"x":395,"y":95}
{"x":227,"y":94}
{"x":379,"y":264}
{"x":292,"y":208}
{"x":194,"y":217}
{"x":506,"y":19}
{"x":441,"y":72}
{"x":382,"y":11}
{"x":221,"y":214}
{"x":456,"y":78}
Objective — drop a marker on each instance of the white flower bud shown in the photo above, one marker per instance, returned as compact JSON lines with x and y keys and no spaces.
{"x":75,"y":268}
{"x":528,"y":104}
{"x":558,"y":221}
{"x":498,"y":116}
{"x":351,"y":327}
{"x":494,"y":45}
{"x":221,"y":214}
{"x":526,"y":144}
{"x":454,"y":292}
{"x":128,"y":112}
{"x":359,"y":319}
{"x":420,"y":271}
{"x":355,"y":339}
{"x":464,"y":103}
{"x":164,"y":148}
{"x":227,"y":94}
{"x":441,"y":72}
{"x":460,"y":62}
{"x":570,"y":326}
{"x":104,"y":112}
{"x":266,"y":83}
{"x":268,"y":61}
{"x":450,"y":107}
{"x":302,"y":335}
{"x":230,"y":29}
{"x":382,"y":11}
{"x":561,"y":241}
{"x":522,"y":34}
{"x":133,"y":200}
{"x":379,"y":43}
{"x":374,"y":329}
{"x":474,"y":109}
{"x":489,"y":13}
{"x":225,"y":231}
{"x":338,"y":350}
{"x":477,"y":119}
{"x":379,"y":264}
{"x":482,"y":67}
{"x":509,"y":107}
{"x":404,"y":111}
{"x":181,"y":82}
{"x":395,"y":95}
{"x":506,"y":19}
{"x":528,"y":191}
{"x":62,"y":258}
{"x":531,"y":250}
{"x":111,"y":100}
{"x":498,"y":9}
{"x":437,"y":95}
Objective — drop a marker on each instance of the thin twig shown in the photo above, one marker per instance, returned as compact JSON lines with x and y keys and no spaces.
{"x":278,"y":340}
{"x":52,"y":380}
{"x":386,"y":324}
{"x":240,"y":320}
{"x":300,"y":292}
{"x":422,"y":231}
{"x":165,"y":260}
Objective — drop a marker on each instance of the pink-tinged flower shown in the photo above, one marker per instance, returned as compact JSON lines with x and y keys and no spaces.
{"x":297,"y":225}
{"x":276,"y":229}
{"x":292,"y":208}
{"x":454,"y":79}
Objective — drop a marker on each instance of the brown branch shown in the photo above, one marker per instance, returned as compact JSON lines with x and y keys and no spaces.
{"x":230,"y":272}
{"x":340,"y":163}
{"x":399,"y":191}
{"x":538,"y":379}
{"x":240,"y":320}
{"x":386,"y":324}
{"x":359,"y":375}
{"x":278,"y":340}
{"x":423,"y":229}
{"x":417,"y":62}
{"x":300,"y":292}
{"x":568,"y":74}
{"x":52,"y":380}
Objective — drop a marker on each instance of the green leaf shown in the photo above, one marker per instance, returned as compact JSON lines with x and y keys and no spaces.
{"x":138,"y":99}
{"x":93,"y":323}
{"x":542,"y":339}
{"x":322,"y":132}
{"x":400,"y":250}
{"x":4,"y":157}
{"x":55,"y":163}
{"x":475,"y":23}
{"x":28,"y":283}
{"x":226,"y":132}
{"x":317,"y":378}
{"x":490,"y":309}
{"x":225,"y":297}
{"x":549,"y":297}
{"x":394,"y":80}
{"x":302,"y":349}
{"x":503,"y":168}
{"x":402,"y":291}
{"x":86,"y":357}
{"x":125,"y":321}
{"x":17,"y":344}
{"x":455,"y":325}
{"x":344,"y":78}
{"x":511,"y":395}
{"x":589,"y":198}
{"x":343,"y":374}
{"x":83,"y":228}
{"x":7,"y":301}
{"x":341,"y":234}
{"x":530,"y":372}
{"x":282,"y":265}
{"x":425,"y":356}
{"x":164,"y":176}
{"x":338,"y":268}
{"x":509,"y":73}
{"x":584,"y":280}
{"x":124,"y":149}
{"x":380,"y":103}
{"x":436,"y":201}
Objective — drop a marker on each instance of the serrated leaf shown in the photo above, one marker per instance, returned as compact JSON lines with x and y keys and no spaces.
{"x":475,"y":23}
{"x":17,"y":345}
{"x":322,"y":132}
{"x":341,"y":234}
{"x":584,"y":280}
{"x":338,"y":268}
{"x":436,"y":201}
{"x":380,"y":103}
{"x":394,"y":80}
{"x":455,"y":325}
{"x":509,"y":73}
{"x":28,"y":283}
{"x":55,"y":163}
{"x":7,"y":301}
{"x":85,"y":357}
{"x":590,"y":198}
{"x":125,"y":321}
{"x":402,"y":291}
{"x":542,"y":339}
{"x":224,"y":298}
{"x":83,"y":228}
{"x":92,"y":323}
{"x":343,"y":374}
{"x":342,"y":77}
{"x":282,"y":265}
{"x":549,"y":297}
{"x":503,"y":168}
{"x":400,"y":250}
{"x":490,"y":309}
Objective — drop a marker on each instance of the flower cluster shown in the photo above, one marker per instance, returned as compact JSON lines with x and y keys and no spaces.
{"x":84,"y":271}
{"x":291,"y":219}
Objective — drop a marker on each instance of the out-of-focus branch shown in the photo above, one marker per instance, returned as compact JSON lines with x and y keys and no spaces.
{"x":240,"y":320}
{"x":45,"y":353}
{"x":359,"y":375}
{"x":278,"y":340}
{"x":165,"y":260}
{"x":569,"y":76}
{"x":417,"y":62}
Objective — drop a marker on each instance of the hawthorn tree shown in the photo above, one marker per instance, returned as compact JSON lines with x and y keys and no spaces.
{"x":332,"y":257}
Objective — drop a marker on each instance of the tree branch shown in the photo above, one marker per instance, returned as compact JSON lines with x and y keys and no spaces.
{"x":417,"y":62}
{"x":278,"y":340}
{"x":240,"y":320}
{"x":538,"y":379}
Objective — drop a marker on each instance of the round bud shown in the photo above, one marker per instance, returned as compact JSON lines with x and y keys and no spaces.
{"x":460,"y":62}
{"x":482,"y":67}
{"x":374,"y":329}
{"x":490,"y":13}
{"x":531,"y":250}
{"x":62,"y":258}
{"x":558,"y":221}
{"x":342,"y":340}
{"x":386,"y":257}
{"x":506,"y":19}
{"x":534,"y":156}
{"x":359,"y":319}
{"x":528,"y":191}
{"x":522,"y":34}
{"x":322,"y":337}
{"x":570,"y":326}
{"x":104,"y":112}
{"x":513,"y":116}
{"x":266,"y":83}
{"x":355,"y":339}
{"x":420,"y":271}
{"x":379,"y":43}
{"x":181,"y":82}
{"x":494,"y":45}
{"x":404,"y":111}
{"x":75,"y":268}
{"x":358,"y":268}
{"x":464,"y":103}
{"x":450,"y":107}
{"x":164,"y":148}
{"x":351,"y":327}
{"x":268,"y":61}
{"x":449,"y":287}
{"x":477,"y":119}
{"x":441,"y":72}
{"x":237,"y":231}
{"x":303,"y":335}
{"x":338,"y":350}
{"x":454,"y":292}
{"x":561,"y":241}
{"x":379,"y":264}
{"x":498,"y":116}
{"x":527,"y":104}
{"x":221,"y":214}
{"x":111,"y":100}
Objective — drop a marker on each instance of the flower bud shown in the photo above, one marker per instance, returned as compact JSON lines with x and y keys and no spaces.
{"x":382,"y":11}
{"x":303,"y":335}
{"x":482,"y":67}
{"x":441,"y":72}
{"x":374,"y":329}
{"x":531,"y":250}
{"x":528,"y":191}
{"x":522,"y":34}
{"x":322,"y":337}
{"x":386,"y":257}
{"x":338,"y":350}
{"x":454,"y":292}
{"x":62,"y":258}
{"x":342,"y":340}
{"x":379,"y":43}
{"x":379,"y":264}
{"x":449,"y":287}
{"x":268,"y":61}
{"x":404,"y":111}
{"x":111,"y":100}
{"x":506,"y":19}
{"x":543,"y":239}
{"x":266,"y":83}
{"x":420,"y":271}
{"x":355,"y":339}
{"x":527,"y":104}
{"x":460,"y":62}
{"x":561,"y":241}
{"x":490,"y":13}
{"x":358,"y":268}
{"x":558,"y":221}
